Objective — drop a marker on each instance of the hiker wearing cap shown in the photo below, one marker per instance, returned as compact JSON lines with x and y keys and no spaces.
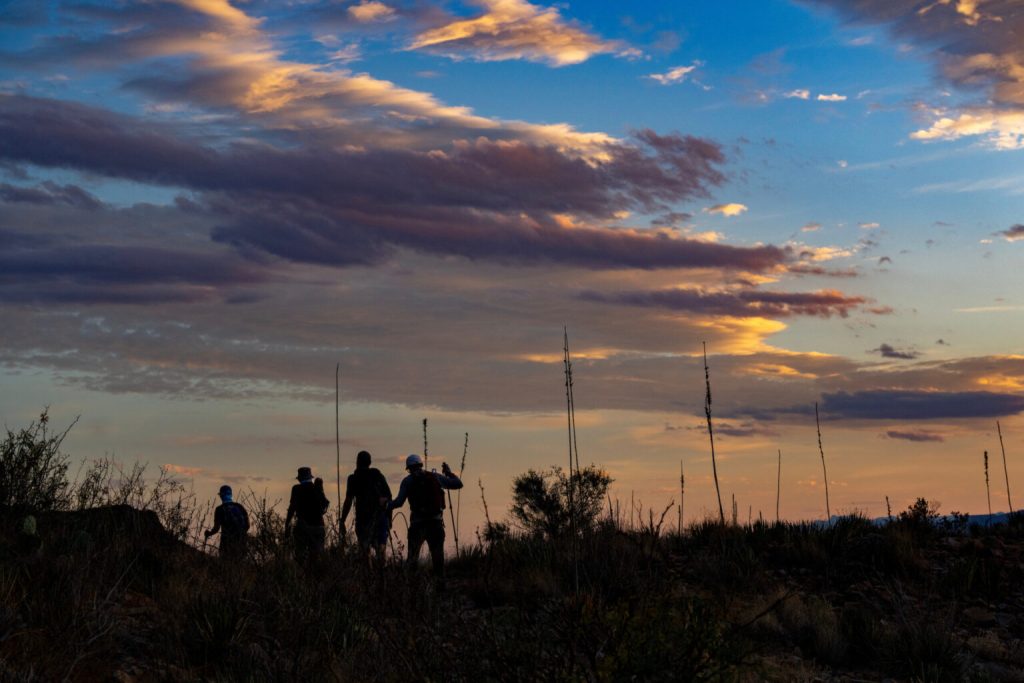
{"x":307,"y":505}
{"x":232,"y":522}
{"x":425,"y":492}
{"x":368,"y":488}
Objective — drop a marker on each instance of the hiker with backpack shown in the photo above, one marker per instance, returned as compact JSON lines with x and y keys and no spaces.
{"x":307,"y":506}
{"x":232,"y":522}
{"x":425,"y":493}
{"x":368,"y":488}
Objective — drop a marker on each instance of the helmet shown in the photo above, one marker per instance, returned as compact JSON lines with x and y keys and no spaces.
{"x":413,"y":461}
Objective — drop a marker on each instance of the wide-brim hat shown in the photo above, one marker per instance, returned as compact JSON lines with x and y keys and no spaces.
{"x":305,"y":474}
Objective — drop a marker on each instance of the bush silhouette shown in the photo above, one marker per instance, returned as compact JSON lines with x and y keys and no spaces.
{"x":540,"y":500}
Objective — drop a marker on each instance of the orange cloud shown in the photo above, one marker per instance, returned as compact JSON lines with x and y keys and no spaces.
{"x":730,"y":209}
{"x":370,"y":11}
{"x":516,"y":29}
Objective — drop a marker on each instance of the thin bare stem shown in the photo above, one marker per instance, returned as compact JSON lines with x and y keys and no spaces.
{"x":1006,"y":472}
{"x":778,"y":488}
{"x":711,"y":432}
{"x":817,"y":422}
{"x":682,"y":495}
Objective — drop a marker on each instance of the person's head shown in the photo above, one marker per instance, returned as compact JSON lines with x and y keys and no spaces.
{"x":305,"y":475}
{"x":363,"y":459}
{"x":225,"y":493}
{"x":414,"y":463}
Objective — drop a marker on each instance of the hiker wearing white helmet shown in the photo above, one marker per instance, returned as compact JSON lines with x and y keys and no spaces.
{"x":425,"y":492}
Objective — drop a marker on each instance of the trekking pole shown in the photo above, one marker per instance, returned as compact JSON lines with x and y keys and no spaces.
{"x":337,"y":448}
{"x":455,"y":529}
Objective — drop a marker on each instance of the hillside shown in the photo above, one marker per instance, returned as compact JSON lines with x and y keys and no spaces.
{"x":108,"y":594}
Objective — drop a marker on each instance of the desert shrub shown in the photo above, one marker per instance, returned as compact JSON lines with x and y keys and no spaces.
{"x":33,"y":469}
{"x":920,"y":519}
{"x":658,"y":640}
{"x":926,"y":649}
{"x":540,"y":500}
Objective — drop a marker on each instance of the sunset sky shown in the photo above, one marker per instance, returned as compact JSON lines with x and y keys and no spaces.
{"x":205,"y":205}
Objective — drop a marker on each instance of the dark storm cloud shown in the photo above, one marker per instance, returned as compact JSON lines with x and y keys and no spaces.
{"x":483,"y":175}
{"x":482,"y":199}
{"x":894,"y":404}
{"x":116,"y":274}
{"x":915,"y":436}
{"x":888,"y":351}
{"x":49,"y":192}
{"x":738,"y":430}
{"x":799,"y":269}
{"x":743,"y":303}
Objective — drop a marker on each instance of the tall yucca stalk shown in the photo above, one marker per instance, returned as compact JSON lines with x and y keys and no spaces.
{"x":824,"y":471}
{"x":711,"y":432}
{"x":425,"y":454}
{"x":988,"y":490}
{"x":1006,"y":472}
{"x":682,"y":496}
{"x":573,"y":451}
{"x":778,"y":487}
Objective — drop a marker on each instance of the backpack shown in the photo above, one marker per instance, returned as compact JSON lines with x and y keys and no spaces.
{"x":236,"y":520}
{"x":426,"y":497}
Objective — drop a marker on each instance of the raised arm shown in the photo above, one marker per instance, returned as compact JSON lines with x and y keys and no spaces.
{"x":448,"y":480}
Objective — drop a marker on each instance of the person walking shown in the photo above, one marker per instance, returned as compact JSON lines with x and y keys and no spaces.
{"x":307,"y":506}
{"x":425,"y":493}
{"x":231,"y":521}
{"x":369,"y":490}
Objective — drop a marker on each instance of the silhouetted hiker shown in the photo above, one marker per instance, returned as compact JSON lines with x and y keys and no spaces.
{"x":425,"y":491}
{"x":307,"y":505}
{"x":232,"y":522}
{"x":370,"y":491}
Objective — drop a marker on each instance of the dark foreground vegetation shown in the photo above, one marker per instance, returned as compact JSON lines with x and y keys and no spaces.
{"x":101,"y":590}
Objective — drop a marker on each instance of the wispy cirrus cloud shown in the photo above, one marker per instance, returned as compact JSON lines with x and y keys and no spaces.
{"x":676,"y":74}
{"x":740,"y":303}
{"x":517,"y":29}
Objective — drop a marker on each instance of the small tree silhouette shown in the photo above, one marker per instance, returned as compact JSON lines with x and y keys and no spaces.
{"x":540,"y":500}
